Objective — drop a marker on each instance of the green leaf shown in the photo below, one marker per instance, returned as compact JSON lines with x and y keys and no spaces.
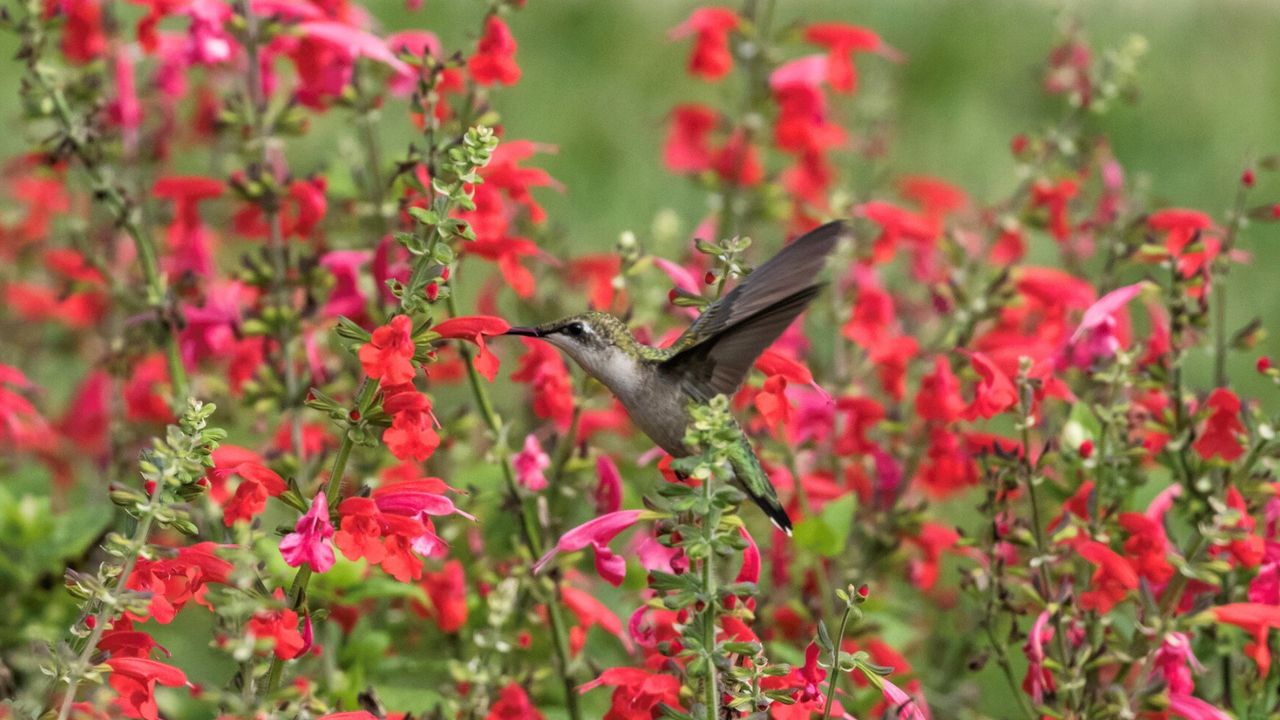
{"x":828,"y":533}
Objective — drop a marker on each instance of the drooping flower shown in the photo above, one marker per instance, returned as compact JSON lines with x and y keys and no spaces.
{"x":812,"y":676}
{"x":1220,"y":436}
{"x":590,"y":612}
{"x":1055,"y":198}
{"x":1190,"y":707}
{"x":529,"y":464}
{"x":309,"y":541}
{"x":1175,"y":663}
{"x":711,"y":58}
{"x":596,"y":534}
{"x":135,"y":680}
{"x":495,"y":57}
{"x":1095,"y":337}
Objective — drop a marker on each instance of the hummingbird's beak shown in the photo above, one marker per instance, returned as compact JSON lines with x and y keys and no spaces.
{"x":524,"y":332}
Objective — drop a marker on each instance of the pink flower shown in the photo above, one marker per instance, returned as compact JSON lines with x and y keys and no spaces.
{"x":596,"y":534}
{"x":309,"y":541}
{"x":904,"y":707}
{"x":1038,"y":678}
{"x":1175,"y":662}
{"x":529,"y":464}
{"x":608,"y":494}
{"x":1193,"y":708}
{"x":812,"y":676}
{"x":1096,"y":336}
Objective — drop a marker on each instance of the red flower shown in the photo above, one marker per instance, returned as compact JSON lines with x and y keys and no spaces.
{"x":608,"y":493}
{"x":811,"y":676}
{"x":711,"y":58}
{"x":1147,"y":547}
{"x":1180,"y":226}
{"x":173,"y":582}
{"x":1055,"y":197}
{"x":1221,"y":432}
{"x":282,"y":627}
{"x":257,"y":484}
{"x":596,"y":534}
{"x":1111,"y":582}
{"x":83,"y":38}
{"x":637,"y":693}
{"x":1256,"y":619}
{"x":842,"y":41}
{"x":411,"y":435}
{"x":688,"y":147}
{"x":948,"y":467}
{"x":544,"y":369}
{"x":939,"y":396}
{"x":495,"y":58}
{"x":896,"y":224}
{"x":475,"y":329}
{"x":1249,"y":550}
{"x":590,"y":612}
{"x":388,"y":356}
{"x":506,"y":252}
{"x":933,"y":539}
{"x":447,"y":592}
{"x":135,"y":679}
{"x":143,"y":399}
{"x":995,"y":392}
{"x":738,"y":162}
{"x":190,"y":240}
{"x":598,"y":273}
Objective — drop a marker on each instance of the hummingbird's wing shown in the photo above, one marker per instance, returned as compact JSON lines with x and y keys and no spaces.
{"x":715,"y":354}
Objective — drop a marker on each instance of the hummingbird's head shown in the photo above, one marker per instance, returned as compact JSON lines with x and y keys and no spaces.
{"x":599,"y":342}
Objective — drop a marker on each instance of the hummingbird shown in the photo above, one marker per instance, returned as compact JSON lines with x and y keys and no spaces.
{"x":658,"y":386}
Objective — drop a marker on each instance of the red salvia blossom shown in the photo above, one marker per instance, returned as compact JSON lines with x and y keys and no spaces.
{"x":1147,"y":547}
{"x":544,"y":370}
{"x":495,"y":58}
{"x":412,"y":434}
{"x":711,"y":58}
{"x":135,"y":680}
{"x":175,"y":581}
{"x":388,"y":356}
{"x":257,"y":483}
{"x":608,"y":492}
{"x":637,"y":693}
{"x":994,"y":394}
{"x":1256,"y":619}
{"x":1111,"y":582}
{"x":191,"y":242}
{"x":842,"y":42}
{"x":447,"y":592}
{"x":688,"y":145}
{"x":281,"y":626}
{"x":1055,"y":198}
{"x":474,"y":329}
{"x":1221,"y":434}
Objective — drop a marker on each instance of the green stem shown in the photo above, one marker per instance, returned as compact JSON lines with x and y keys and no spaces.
{"x":711,"y":691}
{"x":108,"y":610}
{"x":528,"y":523}
{"x":835,"y":661}
{"x":124,"y":210}
{"x":298,"y":588}
{"x":281,"y":266}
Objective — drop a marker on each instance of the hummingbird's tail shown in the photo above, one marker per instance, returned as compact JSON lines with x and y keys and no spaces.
{"x":755,"y":482}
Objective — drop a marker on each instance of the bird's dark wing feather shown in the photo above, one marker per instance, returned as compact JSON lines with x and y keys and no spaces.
{"x":719,"y":364}
{"x":715,"y":354}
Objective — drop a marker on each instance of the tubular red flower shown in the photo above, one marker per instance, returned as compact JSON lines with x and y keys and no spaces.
{"x":388,"y":356}
{"x":711,"y":58}
{"x":135,"y":680}
{"x":495,"y":57}
{"x":309,"y":541}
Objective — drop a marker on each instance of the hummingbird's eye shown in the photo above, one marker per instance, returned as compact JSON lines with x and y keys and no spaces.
{"x":573,"y":329}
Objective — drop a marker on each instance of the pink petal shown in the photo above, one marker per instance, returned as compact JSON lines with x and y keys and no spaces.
{"x":1105,"y":307}
{"x":356,"y":42}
